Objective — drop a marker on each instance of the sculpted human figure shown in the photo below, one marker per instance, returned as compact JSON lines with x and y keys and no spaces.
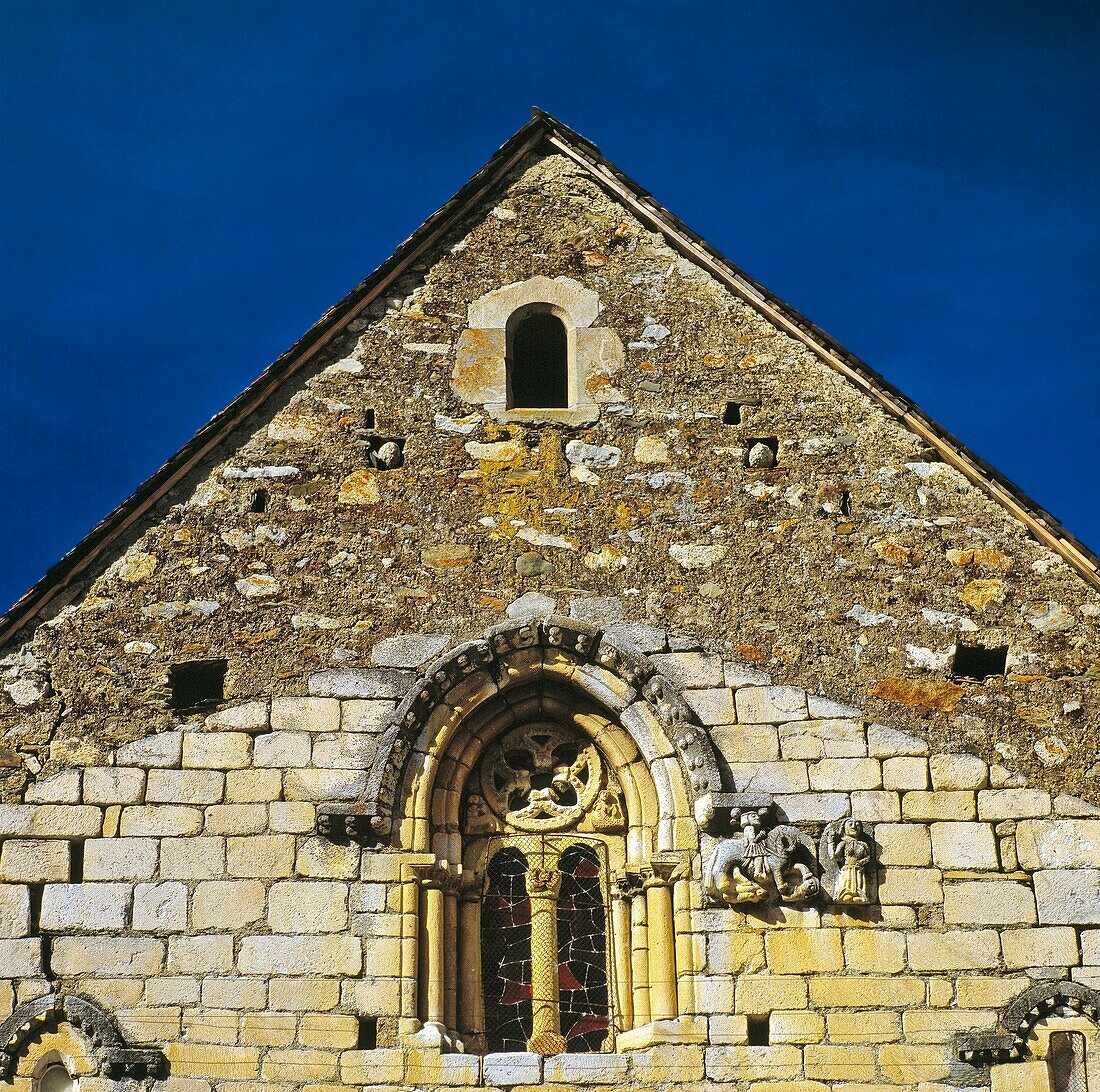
{"x":851,"y":853}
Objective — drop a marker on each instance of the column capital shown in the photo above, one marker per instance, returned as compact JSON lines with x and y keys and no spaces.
{"x":663,"y":869}
{"x":542,"y":881}
{"x":626,"y":885}
{"x":437,"y":875}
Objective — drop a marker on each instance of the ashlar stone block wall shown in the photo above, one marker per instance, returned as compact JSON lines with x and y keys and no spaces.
{"x":184,"y":888}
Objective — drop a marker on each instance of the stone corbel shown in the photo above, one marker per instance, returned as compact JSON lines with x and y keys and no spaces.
{"x":113,"y":1056}
{"x":343,"y":827}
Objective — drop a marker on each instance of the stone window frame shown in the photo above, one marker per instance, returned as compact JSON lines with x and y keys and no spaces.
{"x":1039,"y":1044}
{"x":594,"y":354}
{"x":546,"y":1027}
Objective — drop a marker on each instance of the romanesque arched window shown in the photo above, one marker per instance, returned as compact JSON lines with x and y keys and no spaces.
{"x":54,"y":1077}
{"x":542,"y":793}
{"x":543,"y":820}
{"x":537,"y":359}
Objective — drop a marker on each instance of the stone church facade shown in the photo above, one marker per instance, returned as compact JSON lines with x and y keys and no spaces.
{"x":566,"y":666}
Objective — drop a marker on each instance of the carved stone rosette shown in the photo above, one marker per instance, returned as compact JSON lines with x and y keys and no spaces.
{"x":540,"y":778}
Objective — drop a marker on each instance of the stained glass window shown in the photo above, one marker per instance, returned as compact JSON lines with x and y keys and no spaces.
{"x":582,"y":951}
{"x":506,"y":952}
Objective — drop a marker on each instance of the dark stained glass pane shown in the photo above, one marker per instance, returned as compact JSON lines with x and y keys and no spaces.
{"x":582,"y":951}
{"x":506,"y":952}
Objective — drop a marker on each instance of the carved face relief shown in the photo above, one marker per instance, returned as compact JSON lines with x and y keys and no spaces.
{"x":544,"y":777}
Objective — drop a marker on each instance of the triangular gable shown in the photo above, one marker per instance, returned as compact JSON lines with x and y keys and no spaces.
{"x":61,"y":582}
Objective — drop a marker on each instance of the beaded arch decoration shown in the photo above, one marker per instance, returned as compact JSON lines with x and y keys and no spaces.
{"x":114,"y":1057}
{"x":1008,"y":1042}
{"x":574,"y":641}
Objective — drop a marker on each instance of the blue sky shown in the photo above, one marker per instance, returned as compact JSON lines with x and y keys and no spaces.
{"x":187,"y":187}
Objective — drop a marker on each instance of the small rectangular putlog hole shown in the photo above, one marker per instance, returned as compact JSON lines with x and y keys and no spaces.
{"x":197,"y":685}
{"x":76,"y":862}
{"x":258,"y":501}
{"x":368,"y":419}
{"x":731,"y":415}
{"x":979,"y":662}
{"x":845,"y":502}
{"x":368,"y":1033}
{"x":758,"y":1030}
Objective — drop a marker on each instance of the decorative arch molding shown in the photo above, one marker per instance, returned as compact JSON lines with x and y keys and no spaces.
{"x":113,"y":1056}
{"x":1008,"y":1041}
{"x":509,"y":655}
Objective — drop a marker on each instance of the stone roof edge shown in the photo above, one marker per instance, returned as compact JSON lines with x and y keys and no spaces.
{"x":61,"y":582}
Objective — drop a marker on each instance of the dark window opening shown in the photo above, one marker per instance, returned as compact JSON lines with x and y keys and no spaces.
{"x":758,"y":1030}
{"x":978,"y":662}
{"x":197,"y":685}
{"x":845,"y":503}
{"x":258,"y":501}
{"x":1066,"y":1059}
{"x":34,"y":909}
{"x":47,"y":956}
{"x":386,"y":452}
{"x":368,"y":418}
{"x":538,"y":364}
{"x":368,"y":1033}
{"x":732,"y":414}
{"x":582,"y":952}
{"x":506,"y":952}
{"x":76,"y":862}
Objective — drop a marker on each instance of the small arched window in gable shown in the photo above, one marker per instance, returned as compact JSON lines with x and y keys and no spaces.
{"x":538,"y":359}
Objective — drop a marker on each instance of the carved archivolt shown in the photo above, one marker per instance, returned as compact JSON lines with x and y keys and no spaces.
{"x":509,"y":656}
{"x":1008,"y":1041}
{"x":113,"y":1055}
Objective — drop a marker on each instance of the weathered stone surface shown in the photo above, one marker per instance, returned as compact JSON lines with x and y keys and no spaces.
{"x":758,"y":704}
{"x":120,"y":858}
{"x":33,"y":861}
{"x":823,"y":739}
{"x":330,"y":955}
{"x":988,"y":902}
{"x":409,"y":651}
{"x":252,"y":716}
{"x":1063,"y":843}
{"x":1068,"y":896}
{"x":361,"y":683}
{"x":964,"y":845}
{"x":512,"y":1068}
{"x":15,"y":909}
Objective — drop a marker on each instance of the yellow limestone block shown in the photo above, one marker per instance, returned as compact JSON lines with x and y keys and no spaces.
{"x":220,"y":1063}
{"x":1020,"y":1077}
{"x":905,"y":1064}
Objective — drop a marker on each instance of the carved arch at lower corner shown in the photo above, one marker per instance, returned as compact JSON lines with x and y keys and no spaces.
{"x":111,"y":1054}
{"x":1008,"y":1041}
{"x":574,"y":643}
